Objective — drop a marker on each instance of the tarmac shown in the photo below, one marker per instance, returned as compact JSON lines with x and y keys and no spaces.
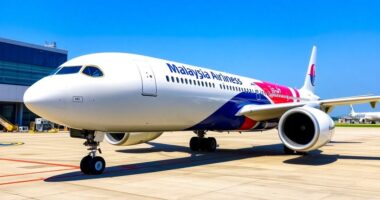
{"x":245,"y":166}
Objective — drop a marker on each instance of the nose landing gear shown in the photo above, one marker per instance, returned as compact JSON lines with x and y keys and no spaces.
{"x":201,"y":143}
{"x":92,"y":164}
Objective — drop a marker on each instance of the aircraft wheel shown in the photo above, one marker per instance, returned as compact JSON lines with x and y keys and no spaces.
{"x":211,"y":144}
{"x":194,"y":144}
{"x":97,"y":165}
{"x":85,"y":164}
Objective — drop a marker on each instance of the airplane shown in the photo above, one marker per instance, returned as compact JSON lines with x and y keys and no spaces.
{"x":363,"y":117}
{"x":130,"y":99}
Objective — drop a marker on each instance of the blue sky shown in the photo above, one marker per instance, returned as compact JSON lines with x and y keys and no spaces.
{"x":269,"y":40}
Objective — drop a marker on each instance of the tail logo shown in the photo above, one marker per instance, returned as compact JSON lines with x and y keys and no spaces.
{"x":312,"y":74}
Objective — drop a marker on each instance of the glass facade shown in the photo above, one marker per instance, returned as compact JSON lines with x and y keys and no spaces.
{"x":22,"y":74}
{"x":24,"y":64}
{"x":33,"y":56}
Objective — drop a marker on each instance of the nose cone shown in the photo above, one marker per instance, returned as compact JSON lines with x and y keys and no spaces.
{"x":34,"y":98}
{"x":43,"y":98}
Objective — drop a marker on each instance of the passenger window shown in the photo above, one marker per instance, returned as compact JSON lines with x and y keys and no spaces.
{"x":69,"y":70}
{"x":190,"y":81}
{"x":177,"y":79}
{"x":167,"y":78}
{"x":172,"y":79}
{"x":182,"y":80}
{"x":186,"y":80}
{"x":92,"y":71}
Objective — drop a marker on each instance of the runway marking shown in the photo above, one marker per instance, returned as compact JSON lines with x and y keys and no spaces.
{"x":121,"y":168}
{"x":6,"y":144}
{"x":67,"y":167}
{"x":39,"y":172}
{"x":42,"y":163}
{"x":23,"y":181}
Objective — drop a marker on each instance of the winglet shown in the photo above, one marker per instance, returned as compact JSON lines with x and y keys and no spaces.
{"x":309,"y":83}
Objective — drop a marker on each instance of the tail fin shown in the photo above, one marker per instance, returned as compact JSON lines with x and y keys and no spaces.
{"x":310,"y":75}
{"x":352,"y":110}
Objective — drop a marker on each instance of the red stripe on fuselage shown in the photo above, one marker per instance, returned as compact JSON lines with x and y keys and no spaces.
{"x":277,"y":93}
{"x":247,"y":124}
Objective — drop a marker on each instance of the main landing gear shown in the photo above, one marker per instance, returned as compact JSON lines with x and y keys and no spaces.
{"x":92,"y":164}
{"x":201,"y":143}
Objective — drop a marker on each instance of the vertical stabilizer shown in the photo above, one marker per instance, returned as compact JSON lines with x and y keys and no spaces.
{"x":310,"y":75}
{"x":352,"y":113}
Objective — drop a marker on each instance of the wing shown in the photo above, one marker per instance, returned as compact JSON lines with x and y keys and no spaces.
{"x":274,"y":111}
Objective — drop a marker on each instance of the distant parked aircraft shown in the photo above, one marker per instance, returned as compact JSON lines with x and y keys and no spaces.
{"x":363,"y":117}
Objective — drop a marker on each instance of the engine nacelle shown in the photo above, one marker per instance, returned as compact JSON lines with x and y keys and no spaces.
{"x":127,"y":139}
{"x":305,"y":129}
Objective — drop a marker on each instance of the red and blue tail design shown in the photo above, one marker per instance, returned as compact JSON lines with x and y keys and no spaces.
{"x":310,"y":75}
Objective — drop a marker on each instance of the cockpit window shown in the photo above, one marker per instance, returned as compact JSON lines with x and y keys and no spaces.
{"x":69,"y":70}
{"x":92,"y":71}
{"x":55,"y":71}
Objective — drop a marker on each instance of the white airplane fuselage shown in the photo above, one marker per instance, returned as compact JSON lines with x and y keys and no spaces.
{"x":369,"y":116}
{"x":130,"y":99}
{"x":138,"y":93}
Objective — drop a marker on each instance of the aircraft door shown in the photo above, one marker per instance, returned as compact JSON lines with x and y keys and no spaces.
{"x":148,"y":80}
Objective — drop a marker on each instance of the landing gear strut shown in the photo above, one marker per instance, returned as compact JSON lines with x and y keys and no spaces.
{"x":201,"y":143}
{"x":92,"y":164}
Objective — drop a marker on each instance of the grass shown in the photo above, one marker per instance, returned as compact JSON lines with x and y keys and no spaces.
{"x":357,"y":125}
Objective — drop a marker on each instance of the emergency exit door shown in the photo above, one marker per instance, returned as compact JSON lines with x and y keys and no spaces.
{"x":148,"y":80}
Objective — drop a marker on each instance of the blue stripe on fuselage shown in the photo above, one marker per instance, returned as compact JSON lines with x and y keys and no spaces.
{"x":224,"y":118}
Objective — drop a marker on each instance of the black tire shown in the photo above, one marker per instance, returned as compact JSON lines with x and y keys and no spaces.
{"x":203,"y":144}
{"x":97,"y":166}
{"x":211,"y":144}
{"x":194,"y":144}
{"x":85,"y":165}
{"x":289,"y":151}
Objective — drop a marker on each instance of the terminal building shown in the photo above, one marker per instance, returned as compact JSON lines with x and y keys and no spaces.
{"x":21,"y":65}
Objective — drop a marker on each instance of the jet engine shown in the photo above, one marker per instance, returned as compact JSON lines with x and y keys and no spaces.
{"x":133,"y":138}
{"x":305,"y":129}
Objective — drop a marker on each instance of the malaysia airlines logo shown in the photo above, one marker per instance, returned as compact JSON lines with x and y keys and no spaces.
{"x":312,"y":74}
